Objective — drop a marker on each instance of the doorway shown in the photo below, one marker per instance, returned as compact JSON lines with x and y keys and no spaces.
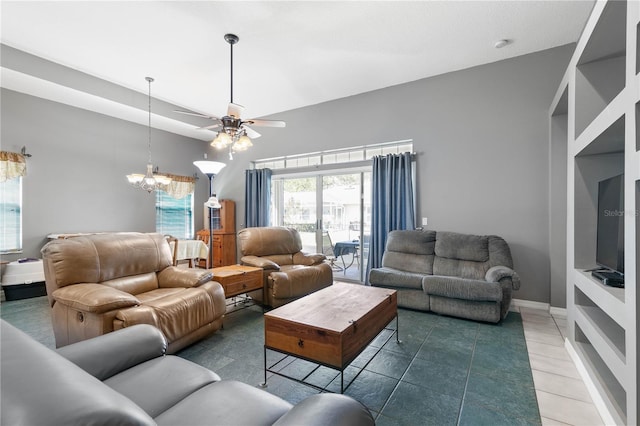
{"x":332,"y":213}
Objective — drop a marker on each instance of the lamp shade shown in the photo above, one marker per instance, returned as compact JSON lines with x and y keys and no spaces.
{"x":209,"y":167}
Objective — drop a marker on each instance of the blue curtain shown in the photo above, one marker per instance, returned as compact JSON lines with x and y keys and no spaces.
{"x":257,"y":197}
{"x":392,"y":205}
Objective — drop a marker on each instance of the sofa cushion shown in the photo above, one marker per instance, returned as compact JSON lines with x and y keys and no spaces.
{"x":32,"y":373}
{"x":160,"y":383}
{"x":164,"y":308}
{"x":392,"y":278}
{"x":410,"y":251}
{"x":270,"y":240}
{"x":452,"y":245}
{"x":226,"y":403}
{"x":460,"y":268}
{"x":458,"y":288}
{"x":104,"y":257}
{"x":134,"y":284}
{"x":298,"y":280}
{"x":95,"y":298}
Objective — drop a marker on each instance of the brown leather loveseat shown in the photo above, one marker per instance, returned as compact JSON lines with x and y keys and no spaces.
{"x":289,"y":273}
{"x":103,"y":282}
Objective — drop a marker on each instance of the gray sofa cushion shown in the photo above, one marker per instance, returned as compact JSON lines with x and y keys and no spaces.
{"x":458,"y":288}
{"x":390,"y":277}
{"x":177,"y":377}
{"x":460,"y":268}
{"x":226,"y":403}
{"x":462,"y":246}
{"x":410,"y":251}
{"x":40,"y":387}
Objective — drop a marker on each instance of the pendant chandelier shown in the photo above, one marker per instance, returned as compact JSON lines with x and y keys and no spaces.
{"x":150,"y":181}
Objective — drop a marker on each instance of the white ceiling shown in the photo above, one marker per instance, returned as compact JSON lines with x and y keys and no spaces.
{"x":290,"y":54}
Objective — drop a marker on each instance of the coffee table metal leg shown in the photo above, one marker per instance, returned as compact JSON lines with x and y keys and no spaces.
{"x":264,"y":384}
{"x":398,"y":330}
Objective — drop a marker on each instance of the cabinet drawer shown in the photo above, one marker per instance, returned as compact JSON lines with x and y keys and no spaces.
{"x":240,"y":283}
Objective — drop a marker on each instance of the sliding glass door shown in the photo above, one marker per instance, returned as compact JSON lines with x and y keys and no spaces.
{"x":332,"y":213}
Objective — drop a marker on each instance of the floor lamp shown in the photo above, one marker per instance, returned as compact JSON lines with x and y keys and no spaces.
{"x":211,"y":169}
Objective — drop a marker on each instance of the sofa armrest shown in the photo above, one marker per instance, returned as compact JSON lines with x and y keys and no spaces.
{"x":327,"y":409}
{"x":109,"y":354}
{"x":260,"y":262}
{"x":172,"y":276}
{"x":308,"y":259}
{"x":96,"y":298}
{"x":496,"y":273}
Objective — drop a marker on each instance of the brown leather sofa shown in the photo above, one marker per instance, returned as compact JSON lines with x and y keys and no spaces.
{"x":100,"y":283}
{"x":288,"y":272}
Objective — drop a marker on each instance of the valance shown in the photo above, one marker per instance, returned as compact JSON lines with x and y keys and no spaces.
{"x":180,"y":186}
{"x":12,"y":165}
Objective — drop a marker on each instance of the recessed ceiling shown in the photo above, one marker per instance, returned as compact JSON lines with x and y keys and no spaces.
{"x":290,"y":54}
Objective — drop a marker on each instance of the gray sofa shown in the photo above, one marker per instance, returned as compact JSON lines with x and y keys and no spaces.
{"x":124,"y":377}
{"x":462,"y":275}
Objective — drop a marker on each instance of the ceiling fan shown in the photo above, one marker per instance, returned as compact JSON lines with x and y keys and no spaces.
{"x":233,"y":131}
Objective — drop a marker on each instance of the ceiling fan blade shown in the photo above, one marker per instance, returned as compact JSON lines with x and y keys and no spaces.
{"x":250,"y":132}
{"x":195,"y":114}
{"x":213,"y":126}
{"x":266,"y":123}
{"x":234,"y":110}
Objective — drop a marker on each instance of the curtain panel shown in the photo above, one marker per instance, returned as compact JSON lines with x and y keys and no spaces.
{"x":257,"y":197}
{"x":180,"y":186}
{"x":12,"y":165}
{"x":392,"y":203}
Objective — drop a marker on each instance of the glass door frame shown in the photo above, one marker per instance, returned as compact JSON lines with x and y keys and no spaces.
{"x":319,"y":174}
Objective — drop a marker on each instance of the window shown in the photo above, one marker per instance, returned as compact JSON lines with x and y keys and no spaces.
{"x":11,"y":215}
{"x":174,"y":216}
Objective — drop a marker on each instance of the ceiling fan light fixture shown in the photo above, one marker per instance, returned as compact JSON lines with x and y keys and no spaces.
{"x":234,"y":132}
{"x":221,"y":141}
{"x":243,"y":143}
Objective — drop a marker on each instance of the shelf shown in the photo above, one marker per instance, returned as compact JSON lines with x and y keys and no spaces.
{"x":600,"y":71}
{"x":603,"y":120}
{"x":608,"y":386}
{"x":606,"y":133}
{"x":609,"y":299}
{"x":610,"y":334}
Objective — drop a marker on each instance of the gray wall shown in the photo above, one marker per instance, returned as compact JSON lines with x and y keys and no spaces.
{"x":76,"y":176}
{"x":481,"y":135}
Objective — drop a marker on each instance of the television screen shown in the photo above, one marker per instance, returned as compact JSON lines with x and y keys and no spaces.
{"x":610,"y":229}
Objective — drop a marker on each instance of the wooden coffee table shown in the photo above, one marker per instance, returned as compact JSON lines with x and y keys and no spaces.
{"x":238,"y":279}
{"x":330,"y":327}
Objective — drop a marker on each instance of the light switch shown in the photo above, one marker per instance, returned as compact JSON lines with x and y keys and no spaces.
{"x":424,"y":221}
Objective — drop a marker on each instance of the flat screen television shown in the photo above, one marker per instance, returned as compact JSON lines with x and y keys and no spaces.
{"x":610,"y":228}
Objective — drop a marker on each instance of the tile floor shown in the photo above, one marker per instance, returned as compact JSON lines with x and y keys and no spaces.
{"x":396,"y":382}
{"x":562,"y":396}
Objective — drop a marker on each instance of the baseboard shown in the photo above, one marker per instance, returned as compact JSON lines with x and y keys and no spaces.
{"x":558,"y":312}
{"x":598,"y":402}
{"x":521,"y":303}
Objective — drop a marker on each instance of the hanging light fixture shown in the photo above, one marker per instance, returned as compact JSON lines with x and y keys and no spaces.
{"x":234,"y":133}
{"x":151,"y":180}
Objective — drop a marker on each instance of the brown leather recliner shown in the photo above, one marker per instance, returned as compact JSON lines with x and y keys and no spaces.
{"x":288,"y":272}
{"x":104,"y":282}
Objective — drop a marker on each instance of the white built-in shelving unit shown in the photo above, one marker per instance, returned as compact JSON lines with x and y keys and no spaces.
{"x":594,"y":113}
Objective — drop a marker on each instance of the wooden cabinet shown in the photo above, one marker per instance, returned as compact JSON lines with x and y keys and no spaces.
{"x":224,"y":233}
{"x":224,"y":250}
{"x":224,"y":218}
